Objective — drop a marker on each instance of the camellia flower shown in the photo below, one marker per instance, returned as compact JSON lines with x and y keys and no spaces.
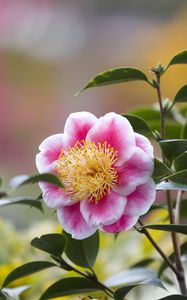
{"x":106,"y":170}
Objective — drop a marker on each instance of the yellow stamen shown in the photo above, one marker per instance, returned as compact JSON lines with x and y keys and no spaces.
{"x":87,"y":170}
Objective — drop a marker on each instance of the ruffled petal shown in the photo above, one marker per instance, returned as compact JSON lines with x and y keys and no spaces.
{"x":78,"y":124}
{"x":137,"y":170}
{"x":143,"y":143}
{"x":116,"y":131}
{"x":124,"y":223}
{"x":139,"y":202}
{"x":50,"y":150}
{"x":73,"y":222}
{"x":53,"y":195}
{"x":108,"y":210}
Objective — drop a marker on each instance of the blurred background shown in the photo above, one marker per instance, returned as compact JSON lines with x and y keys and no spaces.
{"x":50,"y":48}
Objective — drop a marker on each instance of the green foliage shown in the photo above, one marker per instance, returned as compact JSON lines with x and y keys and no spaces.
{"x":181,"y":96}
{"x":118,"y":75}
{"x":160,"y":170}
{"x":173,"y":148}
{"x":180,"y":58}
{"x":180,"y":163}
{"x":27,"y":269}
{"x":123,"y":291}
{"x":70,"y":286}
{"x":82,"y":252}
{"x":21,"y":180}
{"x":22,"y":200}
{"x":53,"y":243}
{"x":139,"y":125}
{"x":168,"y":227}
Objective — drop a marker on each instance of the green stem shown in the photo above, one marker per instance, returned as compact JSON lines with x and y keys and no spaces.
{"x":176,"y":244}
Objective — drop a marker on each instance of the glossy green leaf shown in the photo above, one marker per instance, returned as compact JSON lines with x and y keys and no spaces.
{"x":22,"y":200}
{"x":27,"y":269}
{"x":123,"y":291}
{"x":173,"y":148}
{"x":164,"y":265}
{"x":181,"y":96}
{"x":147,"y":113}
{"x":160,"y":170}
{"x":174,"y":297}
{"x":163,"y":186}
{"x":117,"y":75}
{"x":182,"y":228}
{"x":51,"y":243}
{"x":180,"y":163}
{"x":179,"y":58}
{"x":139,"y":125}
{"x":179,"y":177}
{"x":15,"y":293}
{"x":70,"y":286}
{"x":82,"y":252}
{"x":131,"y":276}
{"x":45,"y":177}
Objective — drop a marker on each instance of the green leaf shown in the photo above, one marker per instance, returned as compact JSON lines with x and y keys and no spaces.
{"x":179,"y":177}
{"x":174,"y":297}
{"x":123,"y":291}
{"x":82,"y":252}
{"x":180,"y":58}
{"x":22,"y":200}
{"x":131,"y":276}
{"x":160,"y":170}
{"x":45,"y":177}
{"x":139,"y":125}
{"x":70,"y":286}
{"x":27,"y":269}
{"x":117,"y":75}
{"x":15,"y":293}
{"x":180,"y":163}
{"x":147,"y":113}
{"x":181,"y":96}
{"x":143,"y":263}
{"x":163,"y":186}
{"x":173,"y":148}
{"x":168,"y":227}
{"x":164,"y":265}
{"x":51,"y":243}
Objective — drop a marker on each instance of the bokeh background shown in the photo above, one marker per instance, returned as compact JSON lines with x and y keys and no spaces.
{"x":50,"y":48}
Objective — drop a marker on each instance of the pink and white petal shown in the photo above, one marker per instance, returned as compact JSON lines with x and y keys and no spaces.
{"x":143,"y":143}
{"x":107,"y":211}
{"x":137,"y":170}
{"x":139,"y":202}
{"x":50,"y":150}
{"x":116,"y":131}
{"x":53,"y":195}
{"x":78,"y":124}
{"x":124,"y":223}
{"x":73,"y":222}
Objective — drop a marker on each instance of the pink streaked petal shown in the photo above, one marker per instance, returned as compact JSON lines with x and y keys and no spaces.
{"x":108,"y":210}
{"x":53,"y":195}
{"x":50,"y":149}
{"x":78,"y":124}
{"x":124,"y":223}
{"x":143,"y":143}
{"x":116,"y":131}
{"x":72,"y":221}
{"x":137,"y":170}
{"x":139,"y":202}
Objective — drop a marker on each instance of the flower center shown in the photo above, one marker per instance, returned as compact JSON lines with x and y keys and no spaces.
{"x":87,"y":170}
